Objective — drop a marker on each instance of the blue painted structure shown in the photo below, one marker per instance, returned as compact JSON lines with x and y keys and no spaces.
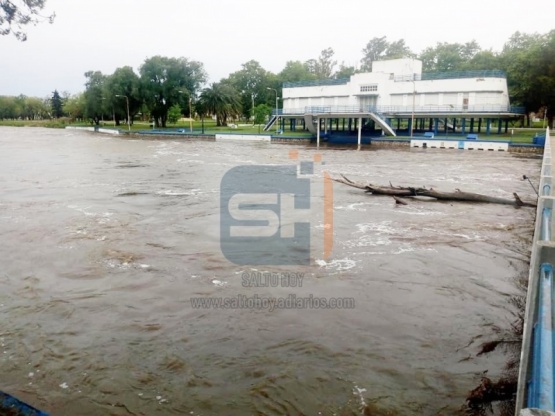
{"x":536,"y":382}
{"x":9,"y":405}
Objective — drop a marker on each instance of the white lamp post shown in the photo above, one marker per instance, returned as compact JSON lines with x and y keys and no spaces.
{"x":413,"y":104}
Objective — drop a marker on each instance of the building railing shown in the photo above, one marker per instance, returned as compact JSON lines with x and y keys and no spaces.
{"x":427,"y":76}
{"x":316,"y":83}
{"x":402,"y":110}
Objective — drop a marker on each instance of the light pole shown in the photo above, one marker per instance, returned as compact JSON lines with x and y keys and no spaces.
{"x":190,"y":115}
{"x":128,"y":119}
{"x":252,"y":98}
{"x":413,"y":103}
{"x":274,"y":90}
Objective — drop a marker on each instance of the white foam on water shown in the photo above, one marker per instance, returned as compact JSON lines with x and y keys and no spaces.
{"x":337,"y":265}
{"x":421,"y":212}
{"x":357,"y":206}
{"x":169,"y":192}
{"x":371,"y":235}
{"x":219,"y":283}
{"x":200,"y":162}
{"x":405,"y":248}
{"x":474,"y":237}
{"x":359,"y":392}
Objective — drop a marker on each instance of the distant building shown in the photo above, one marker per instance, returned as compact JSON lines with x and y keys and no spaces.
{"x":396,"y":92}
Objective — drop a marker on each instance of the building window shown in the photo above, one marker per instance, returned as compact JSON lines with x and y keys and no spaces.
{"x":369,"y":88}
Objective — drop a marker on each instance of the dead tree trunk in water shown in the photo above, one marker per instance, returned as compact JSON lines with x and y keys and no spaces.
{"x":411,"y":192}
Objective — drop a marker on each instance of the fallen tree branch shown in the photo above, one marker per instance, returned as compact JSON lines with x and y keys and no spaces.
{"x":399,"y":201}
{"x":411,"y":192}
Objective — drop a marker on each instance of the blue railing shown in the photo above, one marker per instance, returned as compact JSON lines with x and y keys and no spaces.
{"x":402,"y":110}
{"x":536,"y":379}
{"x":316,"y":83}
{"x":427,"y":76}
{"x":540,"y":388}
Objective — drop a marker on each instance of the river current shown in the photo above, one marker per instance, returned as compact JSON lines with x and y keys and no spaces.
{"x":105,"y":241}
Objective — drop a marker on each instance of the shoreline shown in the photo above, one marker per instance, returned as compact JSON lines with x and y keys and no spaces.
{"x":374,"y":142}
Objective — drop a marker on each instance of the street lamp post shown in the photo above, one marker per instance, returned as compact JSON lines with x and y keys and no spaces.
{"x":252,"y":98}
{"x":274,"y":90}
{"x":413,"y":103}
{"x":190,"y":115}
{"x":128,"y":118}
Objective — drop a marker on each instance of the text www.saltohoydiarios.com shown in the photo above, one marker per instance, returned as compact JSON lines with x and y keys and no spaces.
{"x":269,"y":303}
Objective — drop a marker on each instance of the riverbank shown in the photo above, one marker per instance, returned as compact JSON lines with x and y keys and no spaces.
{"x":382,"y":142}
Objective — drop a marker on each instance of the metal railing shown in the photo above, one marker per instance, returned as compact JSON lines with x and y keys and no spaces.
{"x":402,"y":110}
{"x":427,"y":76}
{"x":536,"y":381}
{"x":316,"y":83}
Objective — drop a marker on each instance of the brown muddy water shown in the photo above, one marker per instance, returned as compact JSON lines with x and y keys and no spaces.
{"x":104,"y":241}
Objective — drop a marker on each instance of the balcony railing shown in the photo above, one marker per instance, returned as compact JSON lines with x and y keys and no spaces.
{"x":316,"y":83}
{"x":403,"y":110}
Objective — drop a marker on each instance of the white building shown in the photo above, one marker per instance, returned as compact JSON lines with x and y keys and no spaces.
{"x":395,"y":91}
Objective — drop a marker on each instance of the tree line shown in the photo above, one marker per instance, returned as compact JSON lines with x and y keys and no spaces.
{"x":166,"y":88}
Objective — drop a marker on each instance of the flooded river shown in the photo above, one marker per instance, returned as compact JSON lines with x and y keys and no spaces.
{"x":105,"y":241}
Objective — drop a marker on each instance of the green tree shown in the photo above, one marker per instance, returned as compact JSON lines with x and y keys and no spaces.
{"x":74,"y":106}
{"x":261,"y":113}
{"x":56,"y":104}
{"x":221,"y":100}
{"x":168,"y":81}
{"x":295,"y":71}
{"x":94,"y":87}
{"x":37,"y":108}
{"x":251,"y":82}
{"x":398,"y":50}
{"x":322,"y":68}
{"x":8,"y":108}
{"x":16,"y":14}
{"x":344,"y":71}
{"x":379,"y":49}
{"x":373,"y":51}
{"x":485,"y":60}
{"x":529,"y":61}
{"x":174,"y":113}
{"x":124,"y":82}
{"x":445,"y":57}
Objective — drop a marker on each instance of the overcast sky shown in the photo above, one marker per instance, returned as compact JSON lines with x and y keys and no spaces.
{"x":223,"y":34}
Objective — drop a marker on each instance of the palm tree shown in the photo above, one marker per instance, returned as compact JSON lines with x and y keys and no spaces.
{"x":222,"y":100}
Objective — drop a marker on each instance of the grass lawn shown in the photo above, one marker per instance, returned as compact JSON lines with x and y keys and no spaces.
{"x":519,"y":135}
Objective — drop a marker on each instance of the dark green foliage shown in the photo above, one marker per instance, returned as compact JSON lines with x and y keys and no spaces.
{"x":56,"y":104}
{"x":168,"y":81}
{"x":379,"y":49}
{"x":93,"y":95}
{"x":222,"y":100}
